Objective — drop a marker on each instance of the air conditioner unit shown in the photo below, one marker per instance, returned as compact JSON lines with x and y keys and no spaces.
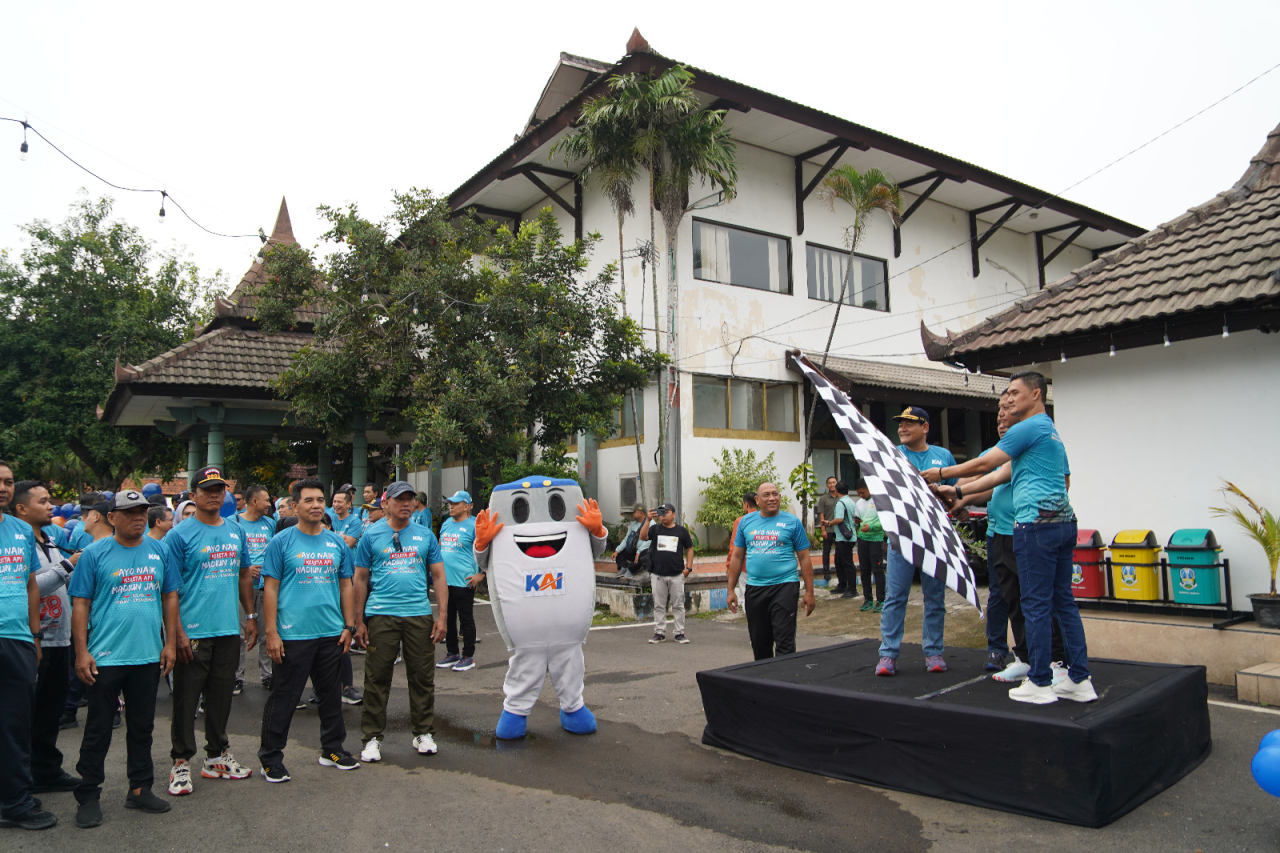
{"x":629,"y":490}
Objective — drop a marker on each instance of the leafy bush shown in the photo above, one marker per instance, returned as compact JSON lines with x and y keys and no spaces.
{"x":738,"y":472}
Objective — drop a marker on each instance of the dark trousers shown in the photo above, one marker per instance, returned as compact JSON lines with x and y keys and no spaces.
{"x":829,"y":540}
{"x":997,"y":608}
{"x":51,"y":695}
{"x":17,"y":697}
{"x":320,"y":661}
{"x":871,"y":562}
{"x":138,"y":684}
{"x":771,"y":618}
{"x":212,"y":672}
{"x":846,"y":574}
{"x":387,"y":635}
{"x":462,"y":600}
{"x":630,"y":561}
{"x":1003,"y":564}
{"x":75,"y":689}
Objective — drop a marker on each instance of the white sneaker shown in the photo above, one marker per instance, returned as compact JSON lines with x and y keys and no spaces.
{"x":180,"y":779}
{"x":224,"y":766}
{"x":1059,"y":672}
{"x":425,"y":744}
{"x":1076,"y":692}
{"x":1033,"y":694}
{"x":1014,"y":672}
{"x":372,"y":751}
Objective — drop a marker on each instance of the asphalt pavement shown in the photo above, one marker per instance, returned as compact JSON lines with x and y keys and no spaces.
{"x":643,"y":782}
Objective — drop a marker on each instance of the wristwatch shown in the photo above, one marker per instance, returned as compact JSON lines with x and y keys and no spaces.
{"x":37,"y":635}
{"x":249,"y":616}
{"x":350,"y":629}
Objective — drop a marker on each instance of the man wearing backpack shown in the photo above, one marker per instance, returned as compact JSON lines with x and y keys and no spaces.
{"x":846,"y":532}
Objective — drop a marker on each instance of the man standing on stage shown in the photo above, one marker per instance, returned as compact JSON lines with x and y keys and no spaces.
{"x":823,"y":512}
{"x":771,"y":543}
{"x":209,"y":552}
{"x":396,"y":564}
{"x":913,"y":432}
{"x":1044,"y":536}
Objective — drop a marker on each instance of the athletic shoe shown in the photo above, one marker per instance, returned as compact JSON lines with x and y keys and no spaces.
{"x":224,"y":766}
{"x":200,"y":705}
{"x":658,"y":638}
{"x":372,"y":751}
{"x":146,"y":801}
{"x":849,"y":595}
{"x":681,"y":638}
{"x":464,"y":664}
{"x":356,"y":650}
{"x":887,"y":666}
{"x":839,"y":589}
{"x":934,"y":663}
{"x":68,"y":721}
{"x":879,"y":606}
{"x":351,"y":696}
{"x":266,"y":683}
{"x":302,"y":705}
{"x":995,"y":662}
{"x":1033,"y":694}
{"x":867,"y":605}
{"x":180,"y":779}
{"x":1014,"y":672}
{"x":239,"y":688}
{"x":340,"y":760}
{"x":425,"y":744}
{"x":275,"y":774}
{"x":89,"y":814}
{"x":83,"y":703}
{"x":1059,"y":672}
{"x":399,"y":660}
{"x":33,"y":818}
{"x":449,"y":662}
{"x":1081,"y":691}
{"x":116,"y":720}
{"x":59,"y":784}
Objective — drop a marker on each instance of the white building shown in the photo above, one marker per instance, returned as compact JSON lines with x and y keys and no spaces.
{"x":1164,"y":358}
{"x":758,"y":276}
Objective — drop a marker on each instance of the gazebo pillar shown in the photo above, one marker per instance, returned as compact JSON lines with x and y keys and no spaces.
{"x":193,"y":457}
{"x":359,"y":460}
{"x":216,"y":445}
{"x":324,"y":466}
{"x":436,"y":485}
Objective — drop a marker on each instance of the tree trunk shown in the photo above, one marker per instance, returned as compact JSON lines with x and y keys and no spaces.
{"x":662,"y":377}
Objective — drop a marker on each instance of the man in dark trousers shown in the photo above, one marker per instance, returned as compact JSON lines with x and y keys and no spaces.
{"x":823,"y":514}
{"x":670,"y":561}
{"x":845,"y":528}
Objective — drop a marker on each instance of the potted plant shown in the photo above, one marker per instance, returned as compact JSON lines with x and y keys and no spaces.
{"x":1266,"y":532}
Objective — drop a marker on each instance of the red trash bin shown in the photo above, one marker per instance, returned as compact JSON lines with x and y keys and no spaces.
{"x":1088,"y":571}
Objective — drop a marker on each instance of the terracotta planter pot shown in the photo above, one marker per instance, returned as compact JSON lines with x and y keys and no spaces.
{"x":1266,"y":610}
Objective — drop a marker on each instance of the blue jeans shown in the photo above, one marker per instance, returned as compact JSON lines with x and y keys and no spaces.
{"x":997,"y":611}
{"x":893,"y":617}
{"x":1044,"y":574}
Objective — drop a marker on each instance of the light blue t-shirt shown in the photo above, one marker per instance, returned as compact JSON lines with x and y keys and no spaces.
{"x":1039,"y":471}
{"x":456,"y":541}
{"x":209,"y":560}
{"x":18,"y":561}
{"x":80,"y":539}
{"x":124,"y":586}
{"x":422,"y":517}
{"x":999,"y":508}
{"x":771,"y":544}
{"x":398,"y":580}
{"x":352,"y":526}
{"x":257,"y":535}
{"x":845,"y":510}
{"x":309,"y":604}
{"x":930,"y":457}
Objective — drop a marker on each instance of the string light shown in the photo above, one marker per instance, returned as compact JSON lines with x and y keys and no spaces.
{"x":163,"y":196}
{"x":1064,"y":356}
{"x":1226,"y":333}
{"x":22,"y":149}
{"x":1166,"y":334}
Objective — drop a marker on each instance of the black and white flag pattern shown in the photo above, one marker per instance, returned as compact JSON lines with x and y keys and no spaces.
{"x":915,"y":521}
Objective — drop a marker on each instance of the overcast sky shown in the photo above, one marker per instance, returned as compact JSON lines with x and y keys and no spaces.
{"x":232,"y":105}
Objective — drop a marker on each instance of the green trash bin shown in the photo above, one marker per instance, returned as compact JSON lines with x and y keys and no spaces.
{"x":1195,"y":570}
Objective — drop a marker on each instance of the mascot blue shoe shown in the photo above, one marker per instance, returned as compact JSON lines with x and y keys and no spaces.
{"x":511,"y":726}
{"x":580,"y":722}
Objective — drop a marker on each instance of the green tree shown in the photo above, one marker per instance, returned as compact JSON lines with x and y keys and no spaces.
{"x":86,"y":293}
{"x":737,"y":473}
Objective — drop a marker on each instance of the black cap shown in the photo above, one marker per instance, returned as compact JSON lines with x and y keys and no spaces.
{"x":210,"y":476}
{"x":915,"y":414}
{"x":101,"y":507}
{"x":665,"y":508}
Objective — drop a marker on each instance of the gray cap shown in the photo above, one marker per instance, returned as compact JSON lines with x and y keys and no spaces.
{"x":128,"y":500}
{"x":400,"y":487}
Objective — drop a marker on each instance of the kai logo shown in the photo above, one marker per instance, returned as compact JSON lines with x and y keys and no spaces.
{"x":1128,"y":575}
{"x":543,"y":583}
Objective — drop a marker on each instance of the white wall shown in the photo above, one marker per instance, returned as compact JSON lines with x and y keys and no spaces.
{"x":1151,"y":431}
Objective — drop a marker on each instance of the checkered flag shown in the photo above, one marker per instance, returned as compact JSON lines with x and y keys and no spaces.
{"x":917,"y":525}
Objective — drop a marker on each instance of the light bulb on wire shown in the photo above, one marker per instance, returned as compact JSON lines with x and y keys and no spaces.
{"x":22,"y":149}
{"x":160,"y":217}
{"x":1064,"y":356}
{"x":1226,"y":333}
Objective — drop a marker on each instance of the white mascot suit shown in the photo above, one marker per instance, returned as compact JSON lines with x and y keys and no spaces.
{"x":540,"y":561}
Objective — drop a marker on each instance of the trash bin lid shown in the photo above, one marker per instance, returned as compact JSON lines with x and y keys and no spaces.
{"x":1135,"y":539}
{"x":1089,"y":539}
{"x":1193,"y":539}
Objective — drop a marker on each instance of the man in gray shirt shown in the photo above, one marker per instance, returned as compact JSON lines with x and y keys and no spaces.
{"x":823,"y":511}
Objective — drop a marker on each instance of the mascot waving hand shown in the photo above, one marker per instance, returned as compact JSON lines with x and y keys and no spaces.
{"x":541,"y":569}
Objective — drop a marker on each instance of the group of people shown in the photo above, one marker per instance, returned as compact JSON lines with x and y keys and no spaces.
{"x":139,"y":591}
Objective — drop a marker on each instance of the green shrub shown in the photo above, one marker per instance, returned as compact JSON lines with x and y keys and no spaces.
{"x":738,"y":472}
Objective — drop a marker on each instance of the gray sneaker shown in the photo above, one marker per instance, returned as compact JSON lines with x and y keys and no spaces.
{"x":658,"y":638}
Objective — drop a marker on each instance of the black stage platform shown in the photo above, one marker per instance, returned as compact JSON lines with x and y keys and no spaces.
{"x":958,"y":735}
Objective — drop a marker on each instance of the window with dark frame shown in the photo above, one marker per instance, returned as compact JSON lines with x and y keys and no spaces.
{"x":729,"y":254}
{"x":868,"y":286}
{"x":624,"y":424}
{"x":744,"y":406}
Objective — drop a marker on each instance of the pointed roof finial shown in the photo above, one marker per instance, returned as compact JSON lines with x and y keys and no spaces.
{"x":637,"y":44}
{"x":283,"y":230}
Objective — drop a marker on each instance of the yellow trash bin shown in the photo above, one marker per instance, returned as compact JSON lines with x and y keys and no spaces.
{"x":1135,"y":565}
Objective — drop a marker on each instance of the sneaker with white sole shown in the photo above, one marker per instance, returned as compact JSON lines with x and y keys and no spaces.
{"x":180,"y":779}
{"x":351,"y":696}
{"x":1014,"y":672}
{"x":340,"y":760}
{"x":1033,"y":694}
{"x":1059,"y":672}
{"x":276,"y":773}
{"x":464,"y":665}
{"x":372,"y":751}
{"x":658,"y":638}
{"x":449,"y":662}
{"x":425,"y":744}
{"x":1081,"y":691}
{"x":681,"y":638}
{"x":224,"y":766}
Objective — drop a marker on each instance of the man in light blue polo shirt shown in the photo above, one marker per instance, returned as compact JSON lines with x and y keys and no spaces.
{"x":346,"y":523}
{"x":774,"y":548}
{"x":463,"y":573}
{"x":259,"y":527}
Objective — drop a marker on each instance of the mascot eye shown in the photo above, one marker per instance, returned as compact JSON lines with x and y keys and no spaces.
{"x":556,"y":506}
{"x":520,"y":510}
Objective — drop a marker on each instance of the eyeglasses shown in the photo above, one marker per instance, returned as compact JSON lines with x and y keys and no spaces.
{"x":395,"y":541}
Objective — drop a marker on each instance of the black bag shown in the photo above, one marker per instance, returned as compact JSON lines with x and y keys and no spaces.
{"x":846,"y":524}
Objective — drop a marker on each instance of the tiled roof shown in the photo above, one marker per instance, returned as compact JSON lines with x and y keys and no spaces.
{"x":225,"y":357}
{"x":915,"y":379}
{"x":242,"y":302}
{"x":1223,"y":255}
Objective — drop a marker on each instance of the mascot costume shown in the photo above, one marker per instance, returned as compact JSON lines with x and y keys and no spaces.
{"x":540,"y":561}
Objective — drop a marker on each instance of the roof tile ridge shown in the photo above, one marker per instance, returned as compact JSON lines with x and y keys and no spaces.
{"x":196,"y":344}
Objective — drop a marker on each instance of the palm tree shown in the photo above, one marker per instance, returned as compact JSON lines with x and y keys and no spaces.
{"x":865,"y":192}
{"x":1265,"y":531}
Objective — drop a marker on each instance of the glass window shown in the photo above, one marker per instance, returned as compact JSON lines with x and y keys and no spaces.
{"x":624,"y":424}
{"x":780,"y":402}
{"x":868,"y":286}
{"x":740,"y":257}
{"x":710,"y":403}
{"x":743,"y":405}
{"x":747,"y":405}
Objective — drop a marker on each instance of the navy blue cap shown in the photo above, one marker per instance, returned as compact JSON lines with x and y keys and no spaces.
{"x":914,"y":414}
